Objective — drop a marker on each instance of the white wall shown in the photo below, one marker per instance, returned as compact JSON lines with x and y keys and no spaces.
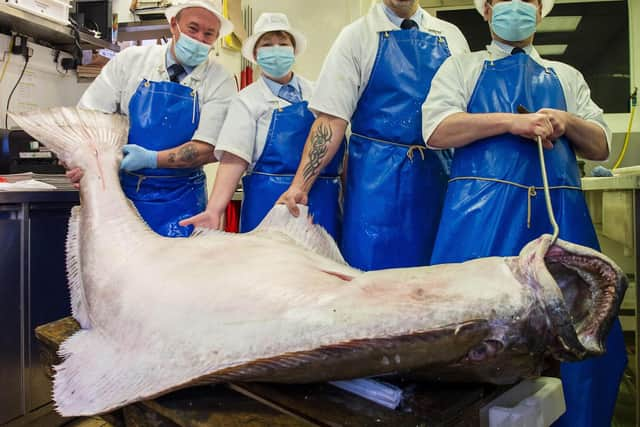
{"x":319,"y":21}
{"x":41,"y":86}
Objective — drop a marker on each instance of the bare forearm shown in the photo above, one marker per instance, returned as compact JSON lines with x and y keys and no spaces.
{"x":588,"y":139}
{"x":188,"y":155}
{"x":229,"y":173}
{"x":325,"y":137}
{"x":461,"y":129}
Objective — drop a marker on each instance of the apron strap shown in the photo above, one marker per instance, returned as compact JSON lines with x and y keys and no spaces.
{"x":410,"y":148}
{"x":142,"y":177}
{"x":290,"y":175}
{"x":531,"y":189}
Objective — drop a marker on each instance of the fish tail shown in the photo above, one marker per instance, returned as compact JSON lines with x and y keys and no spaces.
{"x":65,"y":130}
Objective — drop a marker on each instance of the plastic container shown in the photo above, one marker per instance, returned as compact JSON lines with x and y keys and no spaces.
{"x":54,"y":10}
{"x":374,"y":390}
{"x":530,"y":403}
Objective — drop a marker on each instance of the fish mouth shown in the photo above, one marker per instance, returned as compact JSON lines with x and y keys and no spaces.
{"x":581,"y":291}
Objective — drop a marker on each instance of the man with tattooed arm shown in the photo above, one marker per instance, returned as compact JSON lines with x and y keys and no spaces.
{"x":376,"y":76}
{"x":176,"y":98}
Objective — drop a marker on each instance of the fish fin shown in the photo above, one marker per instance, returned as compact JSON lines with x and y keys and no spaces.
{"x":65,"y":129}
{"x":97,"y":376}
{"x":302,"y":230}
{"x":202,"y":232}
{"x":74,"y":273}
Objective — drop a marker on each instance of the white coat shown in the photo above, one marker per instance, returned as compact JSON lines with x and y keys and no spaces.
{"x":113,"y":88}
{"x":347,"y":68}
{"x":455,"y":81}
{"x":244,"y":132}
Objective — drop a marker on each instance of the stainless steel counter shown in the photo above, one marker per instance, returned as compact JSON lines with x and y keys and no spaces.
{"x":615,"y":210}
{"x":33,"y":291}
{"x":623,"y":182}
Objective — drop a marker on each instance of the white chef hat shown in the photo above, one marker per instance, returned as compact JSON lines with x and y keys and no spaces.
{"x":213,"y":6}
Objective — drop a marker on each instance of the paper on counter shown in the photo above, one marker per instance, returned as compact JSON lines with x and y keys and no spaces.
{"x":28,"y":184}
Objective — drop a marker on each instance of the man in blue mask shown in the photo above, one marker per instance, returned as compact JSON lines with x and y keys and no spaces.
{"x":375,"y":77}
{"x":494,"y":203}
{"x":176,"y":98}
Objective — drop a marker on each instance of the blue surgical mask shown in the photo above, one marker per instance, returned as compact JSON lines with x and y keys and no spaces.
{"x":191,"y":52}
{"x":276,"y":61}
{"x":514,"y":20}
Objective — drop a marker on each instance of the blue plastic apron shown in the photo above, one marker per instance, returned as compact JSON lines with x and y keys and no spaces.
{"x":395,"y":187}
{"x":495,"y":205}
{"x":276,"y":167}
{"x":164,"y":115}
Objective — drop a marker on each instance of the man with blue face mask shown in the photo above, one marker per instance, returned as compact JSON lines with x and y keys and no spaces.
{"x":176,"y":98}
{"x":375,"y":77}
{"x":265,"y":132}
{"x":494,"y":203}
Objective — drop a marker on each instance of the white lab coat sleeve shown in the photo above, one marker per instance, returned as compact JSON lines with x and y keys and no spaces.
{"x":238,"y":133}
{"x":105,"y":92}
{"x":338,"y":85}
{"x":455,"y":40}
{"x":447,"y":96}
{"x":214,"y":110}
{"x":585,"y":108}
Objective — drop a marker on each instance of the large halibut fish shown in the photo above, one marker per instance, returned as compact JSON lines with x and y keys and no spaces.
{"x":279,"y":304}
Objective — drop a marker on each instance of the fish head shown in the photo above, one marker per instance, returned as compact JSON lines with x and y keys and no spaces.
{"x":580,"y":290}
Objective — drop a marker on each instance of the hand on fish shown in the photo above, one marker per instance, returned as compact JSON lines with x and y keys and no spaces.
{"x":74,"y":175}
{"x":206,"y":219}
{"x":292,"y":197}
{"x":137,"y":157}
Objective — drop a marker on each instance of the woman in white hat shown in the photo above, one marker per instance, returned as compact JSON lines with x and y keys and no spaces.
{"x":265,"y":132}
{"x":166,"y":91}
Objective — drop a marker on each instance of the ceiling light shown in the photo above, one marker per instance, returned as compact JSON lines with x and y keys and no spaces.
{"x":551,"y":49}
{"x":558,"y":24}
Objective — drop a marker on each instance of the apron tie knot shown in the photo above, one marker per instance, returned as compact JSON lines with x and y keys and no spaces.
{"x":413,"y":148}
{"x":531,"y":193}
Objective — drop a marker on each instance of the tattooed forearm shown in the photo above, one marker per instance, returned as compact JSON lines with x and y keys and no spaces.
{"x":188,"y":153}
{"x":319,"y":141}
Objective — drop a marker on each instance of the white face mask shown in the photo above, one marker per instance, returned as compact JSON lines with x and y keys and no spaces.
{"x":276,"y":61}
{"x":190,"y":51}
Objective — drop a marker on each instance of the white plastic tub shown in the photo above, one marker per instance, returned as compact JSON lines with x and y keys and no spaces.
{"x":530,"y":403}
{"x":54,"y":10}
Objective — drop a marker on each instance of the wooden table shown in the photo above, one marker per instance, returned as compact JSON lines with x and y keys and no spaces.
{"x":262,"y":404}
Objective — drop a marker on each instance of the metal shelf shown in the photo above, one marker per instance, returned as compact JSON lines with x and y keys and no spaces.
{"x":144,"y":30}
{"x":47,"y":32}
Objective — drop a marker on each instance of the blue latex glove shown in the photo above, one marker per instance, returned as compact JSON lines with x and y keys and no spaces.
{"x":601,"y":171}
{"x":136,"y":157}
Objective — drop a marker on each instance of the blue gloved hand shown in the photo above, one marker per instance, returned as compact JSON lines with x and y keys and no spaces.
{"x":136,"y":157}
{"x":601,"y":171}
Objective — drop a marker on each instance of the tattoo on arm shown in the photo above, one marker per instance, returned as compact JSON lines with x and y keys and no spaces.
{"x":188,"y":153}
{"x":319,"y":141}
{"x":172,"y":158}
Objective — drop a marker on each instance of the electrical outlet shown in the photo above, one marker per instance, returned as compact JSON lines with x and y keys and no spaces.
{"x":69,"y":64}
{"x":18,"y":44}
